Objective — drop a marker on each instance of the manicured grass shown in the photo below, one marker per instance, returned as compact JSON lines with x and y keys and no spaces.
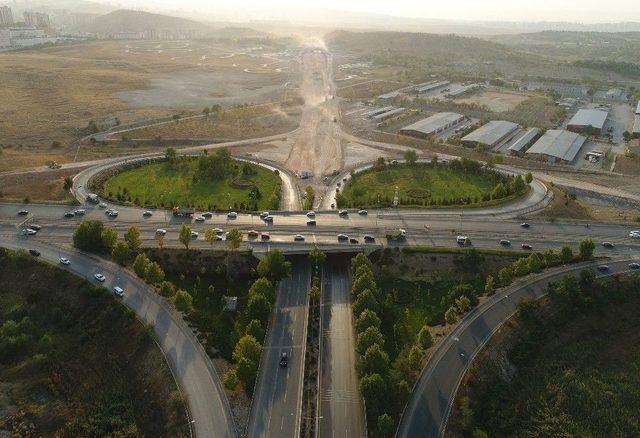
{"x":418,"y":185}
{"x":161,"y":185}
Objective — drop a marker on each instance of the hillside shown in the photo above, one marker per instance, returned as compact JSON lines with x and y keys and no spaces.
{"x":125,"y":20}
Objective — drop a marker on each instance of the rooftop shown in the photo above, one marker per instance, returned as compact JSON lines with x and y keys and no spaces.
{"x":589,"y":117}
{"x":492,"y":132}
{"x":558,"y":143}
{"x":636,"y":125}
{"x":433,"y":123}
{"x":522,"y":141}
{"x":638,"y":108}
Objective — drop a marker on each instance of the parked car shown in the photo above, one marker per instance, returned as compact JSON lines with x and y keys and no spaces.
{"x":353,"y":240}
{"x":218,"y":230}
{"x":113,"y":213}
{"x":343,"y":213}
{"x":461,"y":240}
{"x":80,"y":212}
{"x":265,"y":236}
{"x":28,"y":232}
{"x":102,"y":205}
{"x":264,"y":214}
{"x":252,"y":233}
{"x":194,"y":234}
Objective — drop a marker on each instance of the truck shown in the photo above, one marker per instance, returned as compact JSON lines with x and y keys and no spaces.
{"x":398,"y":235}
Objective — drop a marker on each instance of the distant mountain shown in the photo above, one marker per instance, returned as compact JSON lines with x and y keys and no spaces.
{"x":138,"y":21}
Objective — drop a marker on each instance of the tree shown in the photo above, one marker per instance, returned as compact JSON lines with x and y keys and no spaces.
{"x":153,"y":273}
{"x":414,"y":360}
{"x":368,"y":318}
{"x":520,"y":267}
{"x":88,"y":236}
{"x":490,"y":285}
{"x":364,"y":280}
{"x":504,"y":276}
{"x":450,"y":316}
{"x":132,"y":237}
{"x":550,"y":257}
{"x":365,"y":300}
{"x":183,"y":301}
{"x":160,"y":239}
{"x":425,"y":340}
{"x":234,"y":238}
{"x":411,"y":156}
{"x":528,"y":178}
{"x":274,"y":266}
{"x":534,"y":263}
{"x":374,"y":360}
{"x":263,"y":286}
{"x":248,"y":348}
{"x":247,"y":372}
{"x":371,"y":336}
{"x":317,"y":257}
{"x":230,"y":379}
{"x":258,"y":308}
{"x":185,"y":236}
{"x":109,"y":238}
{"x":171,"y":155}
{"x":462,"y":304}
{"x":374,"y":390}
{"x":479,"y":433}
{"x":586,"y":248}
{"x":68,"y":183}
{"x":140,"y":265}
{"x":360,"y":260}
{"x":121,"y":253}
{"x":254,"y":328}
{"x":384,"y":426}
{"x":210,"y":235}
{"x":167,"y":289}
{"x":566,"y":254}
{"x":518,"y":184}
{"x":206,"y":111}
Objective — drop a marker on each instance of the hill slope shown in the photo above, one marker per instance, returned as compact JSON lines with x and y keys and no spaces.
{"x":125,"y":20}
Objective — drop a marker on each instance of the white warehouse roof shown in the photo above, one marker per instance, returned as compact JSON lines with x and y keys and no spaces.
{"x":636,"y":125}
{"x":434,"y":123}
{"x":522,"y":141}
{"x":492,"y":132}
{"x":589,"y":117}
{"x":638,"y":108}
{"x":558,"y":143}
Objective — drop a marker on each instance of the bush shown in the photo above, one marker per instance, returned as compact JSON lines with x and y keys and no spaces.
{"x":368,"y":318}
{"x":167,"y":289}
{"x":183,"y":301}
{"x":254,"y":328}
{"x":230,"y":379}
{"x":140,"y":265}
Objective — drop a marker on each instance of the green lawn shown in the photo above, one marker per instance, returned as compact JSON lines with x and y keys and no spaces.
{"x":418,"y":185}
{"x":161,"y":185}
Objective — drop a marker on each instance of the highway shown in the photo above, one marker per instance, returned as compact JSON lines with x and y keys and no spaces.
{"x":428,"y":409}
{"x":341,"y":409}
{"x":277,"y":402}
{"x":190,"y":365}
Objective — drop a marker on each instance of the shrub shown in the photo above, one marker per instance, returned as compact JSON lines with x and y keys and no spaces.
{"x":183,"y":301}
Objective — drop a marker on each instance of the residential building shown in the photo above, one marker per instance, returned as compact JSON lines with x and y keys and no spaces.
{"x":6,"y":16}
{"x":5,"y":38}
{"x":37,"y":19}
{"x":433,"y":125}
{"x":491,"y":134}
{"x":557,"y":146}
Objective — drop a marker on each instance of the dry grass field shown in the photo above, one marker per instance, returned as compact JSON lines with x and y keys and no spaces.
{"x":496,"y":101}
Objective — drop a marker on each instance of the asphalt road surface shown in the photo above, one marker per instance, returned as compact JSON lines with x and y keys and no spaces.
{"x":341,"y":409}
{"x":428,"y":410}
{"x":193,"y":370}
{"x":277,"y":402}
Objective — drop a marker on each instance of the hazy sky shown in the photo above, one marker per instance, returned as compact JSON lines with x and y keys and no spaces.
{"x":481,"y":10}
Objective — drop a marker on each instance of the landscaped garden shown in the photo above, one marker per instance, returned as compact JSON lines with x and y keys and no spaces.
{"x":209,"y":182}
{"x":457,"y":183}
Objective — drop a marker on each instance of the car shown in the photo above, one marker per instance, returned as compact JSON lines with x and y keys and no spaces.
{"x":218,"y":237}
{"x":265,"y":236}
{"x":342,"y":237}
{"x":194,"y":234}
{"x":113,"y":213}
{"x":218,"y":230}
{"x":64,"y":261}
{"x":525,"y":225}
{"x":199,"y":219}
{"x":28,"y":232}
{"x":118,"y":291}
{"x":35,"y":227}
{"x":232,"y":215}
{"x":363,"y":212}
{"x":268,"y":219}
{"x":252,"y":233}
{"x":634,"y":265}
{"x":608,"y":244}
{"x":353,"y":240}
{"x":505,"y":242}
{"x":23,"y":212}
{"x":207,"y":215}
{"x":102,"y":205}
{"x":80,"y":212}
{"x":298,"y":238}
{"x":69,"y":214}
{"x":264,"y":214}
{"x":161,"y":232}
{"x":34,"y":252}
{"x":461,"y":240}
{"x":101,"y":278}
{"x":343,"y":213}
{"x":147,"y":213}
{"x":369,"y":239}
{"x":311,"y":223}
{"x":603,"y":268}
{"x":311,"y":214}
{"x":526,"y":246}
{"x":284,"y":360}
{"x":634,"y":235}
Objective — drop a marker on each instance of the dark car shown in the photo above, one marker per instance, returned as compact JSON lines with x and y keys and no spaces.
{"x":284,"y":360}
{"x":505,"y":242}
{"x":23,"y":212}
{"x":607,"y":244}
{"x":634,"y":265}
{"x":369,"y":239}
{"x":527,"y":246}
{"x":34,"y":252}
{"x":353,"y":240}
{"x":69,"y":214}
{"x":525,"y":225}
{"x":603,"y":268}
{"x":35,"y":227}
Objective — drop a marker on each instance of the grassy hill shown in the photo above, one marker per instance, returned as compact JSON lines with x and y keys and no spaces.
{"x":125,"y":20}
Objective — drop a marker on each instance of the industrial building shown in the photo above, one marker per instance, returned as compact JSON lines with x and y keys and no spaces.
{"x":6,"y":16}
{"x":557,"y":146}
{"x":520,"y":143}
{"x":387,"y":114}
{"x":375,"y":111}
{"x":635,"y":131}
{"x":431,"y":86}
{"x":23,"y":37}
{"x":433,"y":125}
{"x":638,"y":109}
{"x":491,"y":134}
{"x":590,"y":121}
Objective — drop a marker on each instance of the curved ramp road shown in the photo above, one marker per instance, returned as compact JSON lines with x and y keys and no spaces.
{"x":428,"y":410}
{"x":208,"y":404}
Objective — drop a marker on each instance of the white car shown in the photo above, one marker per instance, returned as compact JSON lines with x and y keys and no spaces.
{"x":199,"y":219}
{"x":635,"y":234}
{"x":264,"y":214}
{"x":102,"y":205}
{"x":461,"y":240}
{"x":298,"y":238}
{"x":64,"y":261}
{"x":118,"y":291}
{"x":311,"y":214}
{"x":161,"y":232}
{"x":101,"y":278}
{"x":28,"y":232}
{"x":194,"y":234}
{"x":343,"y":213}
{"x":218,"y":230}
{"x":232,"y":215}
{"x":80,"y":212}
{"x":113,"y":213}
{"x":147,"y":213}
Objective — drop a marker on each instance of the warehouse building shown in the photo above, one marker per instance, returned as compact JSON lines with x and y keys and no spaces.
{"x":387,"y":114}
{"x":431,"y":86}
{"x":557,"y":146}
{"x":589,"y":121}
{"x":638,"y":109}
{"x":519,"y":144}
{"x":635,"y":131}
{"x":491,"y":134}
{"x":433,"y":125}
